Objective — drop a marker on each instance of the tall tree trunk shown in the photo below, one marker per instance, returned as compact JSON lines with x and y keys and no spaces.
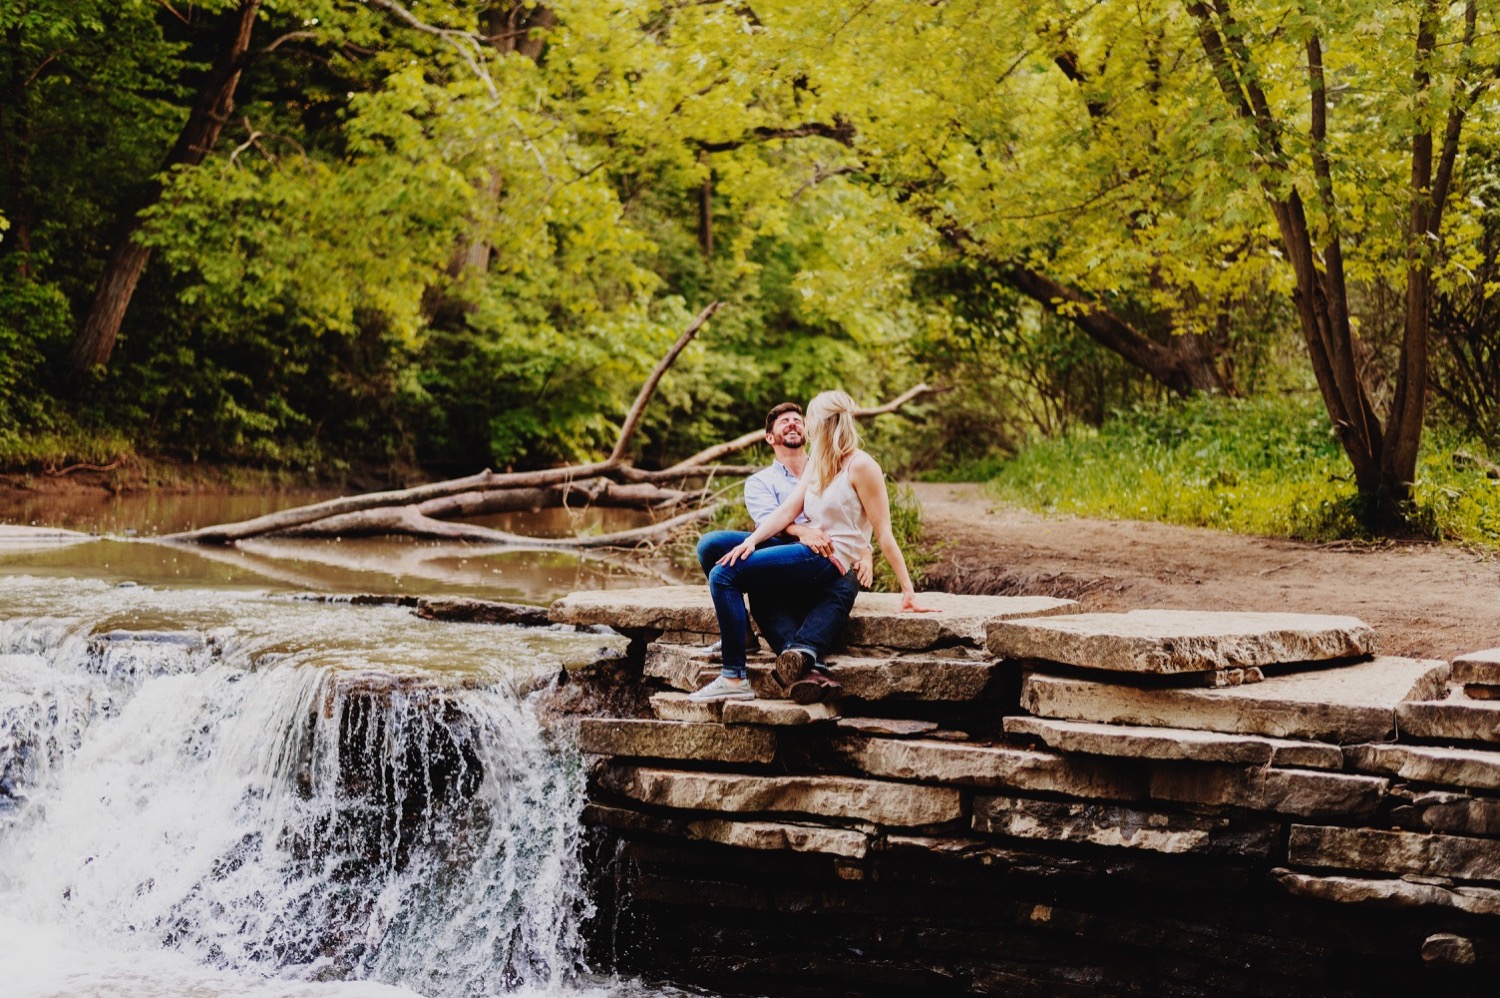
{"x":95,"y":341}
{"x":1384,"y":459}
{"x":15,"y":147}
{"x":1398,"y":462}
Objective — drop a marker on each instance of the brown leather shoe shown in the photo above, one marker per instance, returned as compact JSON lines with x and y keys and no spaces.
{"x":818,"y":686}
{"x":792,"y":665}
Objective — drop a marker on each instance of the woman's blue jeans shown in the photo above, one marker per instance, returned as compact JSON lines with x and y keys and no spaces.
{"x":795,"y":574}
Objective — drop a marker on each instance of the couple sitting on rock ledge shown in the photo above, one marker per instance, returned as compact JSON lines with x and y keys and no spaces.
{"x":815,"y":509}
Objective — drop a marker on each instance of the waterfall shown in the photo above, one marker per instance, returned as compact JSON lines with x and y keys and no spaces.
{"x":232,"y":793}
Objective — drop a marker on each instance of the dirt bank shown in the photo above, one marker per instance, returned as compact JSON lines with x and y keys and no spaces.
{"x":1423,"y":599}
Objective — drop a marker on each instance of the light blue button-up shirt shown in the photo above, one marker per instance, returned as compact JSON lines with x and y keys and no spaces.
{"x":769,"y":488}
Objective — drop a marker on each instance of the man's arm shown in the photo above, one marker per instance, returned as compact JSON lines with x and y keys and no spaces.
{"x":760,"y":501}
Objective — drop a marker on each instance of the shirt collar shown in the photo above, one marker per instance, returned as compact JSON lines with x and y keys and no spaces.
{"x":776,"y":463}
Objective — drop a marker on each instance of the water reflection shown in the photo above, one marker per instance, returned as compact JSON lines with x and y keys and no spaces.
{"x":371,"y":565}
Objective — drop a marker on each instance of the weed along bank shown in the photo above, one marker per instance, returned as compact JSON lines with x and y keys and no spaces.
{"x":1015,"y":798}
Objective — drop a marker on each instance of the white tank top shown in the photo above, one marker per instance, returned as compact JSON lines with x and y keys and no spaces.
{"x":838,"y":512}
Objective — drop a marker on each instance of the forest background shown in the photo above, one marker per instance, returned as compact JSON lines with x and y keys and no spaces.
{"x":1228,"y":262}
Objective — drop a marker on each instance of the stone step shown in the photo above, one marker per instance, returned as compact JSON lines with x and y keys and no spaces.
{"x":1346,"y":703}
{"x":675,"y":740}
{"x":906,"y":677}
{"x":1459,"y":720}
{"x":1164,"y":642}
{"x":1389,"y":892}
{"x":850,"y":798}
{"x":1123,"y":827}
{"x":1481,"y":668}
{"x":966,"y":764}
{"x":1454,"y":767}
{"x":1398,"y":853}
{"x":875,"y":620}
{"x":887,"y":727}
{"x":781,"y":836}
{"x":1302,"y":793}
{"x":677,"y":707}
{"x":1446,"y":811}
{"x":1135,"y":742}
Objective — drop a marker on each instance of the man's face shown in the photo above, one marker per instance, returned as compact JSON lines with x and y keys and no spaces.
{"x":787,"y":431}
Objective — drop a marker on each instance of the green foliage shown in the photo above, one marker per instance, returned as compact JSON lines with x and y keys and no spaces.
{"x":1264,"y":466}
{"x":906,"y":525}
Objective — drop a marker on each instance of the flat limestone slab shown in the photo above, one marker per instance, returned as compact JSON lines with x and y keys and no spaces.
{"x":1429,"y":764}
{"x":770,"y":713}
{"x":675,"y":740}
{"x":900,"y":677}
{"x":1480,"y":667}
{"x":875,"y":620}
{"x":1444,"y":811}
{"x":777,"y":713}
{"x":990,"y":766}
{"x":677,"y":707}
{"x":1112,"y":825}
{"x":1164,"y":642}
{"x":1453,"y":720}
{"x":846,"y":797}
{"x":1389,"y":893}
{"x":1135,"y":742}
{"x":1303,"y":793}
{"x":1345,"y":703}
{"x":1396,"y":853}
{"x":887,"y":727}
{"x":771,"y":835}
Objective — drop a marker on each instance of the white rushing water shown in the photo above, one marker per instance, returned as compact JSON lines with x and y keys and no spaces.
{"x":210,"y":794}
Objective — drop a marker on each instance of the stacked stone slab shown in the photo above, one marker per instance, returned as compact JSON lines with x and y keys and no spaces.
{"x":1033,"y":738}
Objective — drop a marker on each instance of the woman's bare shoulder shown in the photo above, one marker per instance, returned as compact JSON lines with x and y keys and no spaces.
{"x":862,"y":464}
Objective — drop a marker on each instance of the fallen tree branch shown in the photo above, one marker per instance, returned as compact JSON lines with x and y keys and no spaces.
{"x":754,"y":437}
{"x":423,"y":511}
{"x":638,"y":407}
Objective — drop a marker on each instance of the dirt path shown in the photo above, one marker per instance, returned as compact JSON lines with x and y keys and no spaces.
{"x":1423,"y":600}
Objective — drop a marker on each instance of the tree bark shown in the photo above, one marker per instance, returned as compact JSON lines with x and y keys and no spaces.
{"x":1183,"y":370}
{"x":1383,"y":457}
{"x":95,"y":341}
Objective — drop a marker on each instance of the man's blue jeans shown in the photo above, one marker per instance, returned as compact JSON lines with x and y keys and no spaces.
{"x":799,"y":597}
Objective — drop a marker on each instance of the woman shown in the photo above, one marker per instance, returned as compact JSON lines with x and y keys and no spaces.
{"x":843,"y":493}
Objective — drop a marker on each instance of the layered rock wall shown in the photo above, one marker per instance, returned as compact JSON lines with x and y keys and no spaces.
{"x":1011,"y":798}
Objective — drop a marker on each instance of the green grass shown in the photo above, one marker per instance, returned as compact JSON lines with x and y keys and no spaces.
{"x":1263,"y":466}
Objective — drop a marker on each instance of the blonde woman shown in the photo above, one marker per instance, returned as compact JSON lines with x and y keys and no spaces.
{"x":843,"y":493}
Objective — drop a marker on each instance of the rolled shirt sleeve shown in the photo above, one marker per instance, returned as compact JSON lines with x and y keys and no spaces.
{"x":760,"y":500}
{"x":767,"y":489}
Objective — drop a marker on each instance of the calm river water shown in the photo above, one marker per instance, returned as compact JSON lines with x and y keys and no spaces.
{"x":212,"y":785}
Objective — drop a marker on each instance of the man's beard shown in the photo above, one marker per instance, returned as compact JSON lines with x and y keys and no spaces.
{"x":801,"y":442}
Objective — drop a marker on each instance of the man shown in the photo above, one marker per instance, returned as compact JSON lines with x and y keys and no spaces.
{"x":804,"y":623}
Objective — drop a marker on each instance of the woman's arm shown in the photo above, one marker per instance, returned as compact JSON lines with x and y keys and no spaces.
{"x":770,"y":526}
{"x":869,"y":484}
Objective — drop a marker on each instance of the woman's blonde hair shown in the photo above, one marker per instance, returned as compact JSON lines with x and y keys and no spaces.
{"x":832,"y":436}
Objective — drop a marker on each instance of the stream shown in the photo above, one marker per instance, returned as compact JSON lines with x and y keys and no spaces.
{"x":214,"y":782}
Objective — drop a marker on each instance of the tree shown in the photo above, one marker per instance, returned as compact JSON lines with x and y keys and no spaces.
{"x":95,"y":341}
{"x":1422,"y":76}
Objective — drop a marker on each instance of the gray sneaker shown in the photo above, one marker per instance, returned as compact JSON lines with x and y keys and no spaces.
{"x":724,"y":689}
{"x":709,"y":653}
{"x":792,"y":665}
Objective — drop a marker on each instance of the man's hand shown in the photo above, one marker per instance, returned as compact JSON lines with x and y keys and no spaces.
{"x":864,"y":569}
{"x":814,"y":538}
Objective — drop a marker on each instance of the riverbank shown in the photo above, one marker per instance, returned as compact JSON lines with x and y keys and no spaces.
{"x":1424,"y":599}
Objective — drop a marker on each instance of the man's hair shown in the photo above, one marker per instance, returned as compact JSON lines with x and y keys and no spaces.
{"x":778,"y":410}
